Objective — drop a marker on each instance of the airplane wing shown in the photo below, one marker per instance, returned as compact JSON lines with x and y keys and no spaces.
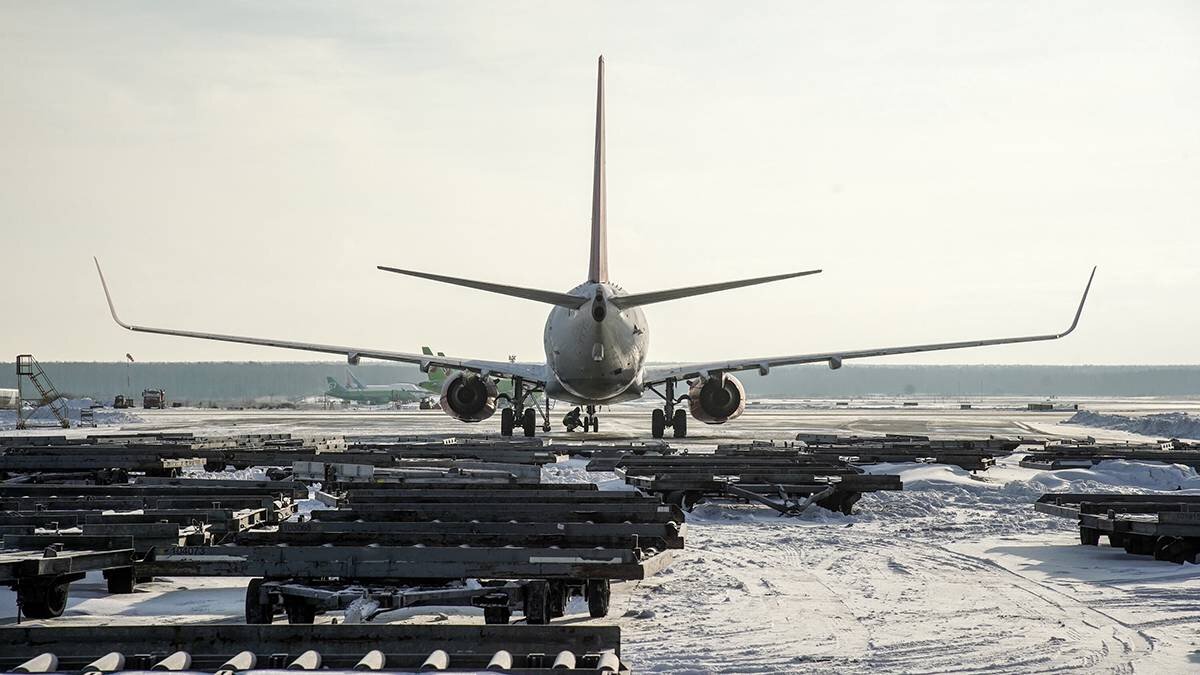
{"x":530,"y":372}
{"x":683,"y":371}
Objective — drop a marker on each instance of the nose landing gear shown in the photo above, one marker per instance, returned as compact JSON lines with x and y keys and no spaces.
{"x":677,"y":417}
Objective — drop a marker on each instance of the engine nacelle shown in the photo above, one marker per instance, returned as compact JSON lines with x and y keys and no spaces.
{"x":715,"y":400}
{"x":468,"y":397}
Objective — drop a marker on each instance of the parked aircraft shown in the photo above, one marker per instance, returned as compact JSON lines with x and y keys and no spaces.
{"x":596,"y":341}
{"x":377,"y":394}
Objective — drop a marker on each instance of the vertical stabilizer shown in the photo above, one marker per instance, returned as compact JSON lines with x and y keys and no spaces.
{"x":598,"y":263}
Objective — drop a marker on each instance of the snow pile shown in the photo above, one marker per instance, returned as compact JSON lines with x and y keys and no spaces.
{"x":43,"y":417}
{"x":1161,"y":425}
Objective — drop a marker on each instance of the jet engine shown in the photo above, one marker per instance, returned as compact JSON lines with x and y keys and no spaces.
{"x":714,"y":400}
{"x":468,"y":397}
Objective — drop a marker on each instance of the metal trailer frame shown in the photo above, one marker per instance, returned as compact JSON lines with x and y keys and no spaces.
{"x":198,"y":489}
{"x":659,"y":536}
{"x":650,"y":512}
{"x":334,"y":649}
{"x":409,"y":451}
{"x":219,"y":521}
{"x":788,"y":485}
{"x":1162,"y":525}
{"x":275,"y":510}
{"x":17,"y":464}
{"x":40,"y":568}
{"x":403,"y":562}
{"x":432,"y":472}
{"x":540,"y":600}
{"x":303,"y":581}
{"x":1060,"y":456}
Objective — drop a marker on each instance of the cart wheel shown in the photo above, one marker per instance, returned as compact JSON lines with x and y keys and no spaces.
{"x":496,"y":615}
{"x":299,"y":611}
{"x":507,"y":421}
{"x":1169,"y":549}
{"x":689,"y":499}
{"x":120,"y":580}
{"x":598,"y":593}
{"x":848,"y":502}
{"x":1089,"y":536}
{"x":43,"y":599}
{"x":257,"y":611}
{"x":557,"y":599}
{"x":537,"y":603}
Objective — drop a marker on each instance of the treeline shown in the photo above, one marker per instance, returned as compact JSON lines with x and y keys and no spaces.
{"x":240,"y":381}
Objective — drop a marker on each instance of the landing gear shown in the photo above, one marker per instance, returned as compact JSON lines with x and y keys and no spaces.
{"x":506,"y":421}
{"x":591,"y":420}
{"x":676,"y":416}
{"x":510,"y":420}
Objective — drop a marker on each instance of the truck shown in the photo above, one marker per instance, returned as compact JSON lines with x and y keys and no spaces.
{"x":122,"y":401}
{"x":154,"y":398}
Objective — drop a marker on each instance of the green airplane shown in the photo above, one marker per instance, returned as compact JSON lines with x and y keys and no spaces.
{"x":379,"y":394}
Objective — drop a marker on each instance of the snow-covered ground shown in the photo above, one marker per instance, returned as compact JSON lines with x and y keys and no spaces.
{"x":43,"y":420}
{"x":955,"y":573}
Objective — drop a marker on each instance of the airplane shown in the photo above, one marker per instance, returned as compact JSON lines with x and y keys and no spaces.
{"x":596,"y":340}
{"x":401,"y":392}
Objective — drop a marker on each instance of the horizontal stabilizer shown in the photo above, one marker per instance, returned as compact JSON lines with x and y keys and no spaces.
{"x":639,"y":299}
{"x":550,"y":297}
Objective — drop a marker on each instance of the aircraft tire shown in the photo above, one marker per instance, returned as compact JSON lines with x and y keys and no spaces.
{"x":679,"y":423}
{"x":529,"y":422}
{"x":507,"y":422}
{"x":658,"y":423}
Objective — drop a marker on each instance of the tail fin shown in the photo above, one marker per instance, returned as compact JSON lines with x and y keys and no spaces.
{"x":598,"y":262}
{"x":333,"y":384}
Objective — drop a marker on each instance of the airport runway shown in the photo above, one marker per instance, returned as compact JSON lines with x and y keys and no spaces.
{"x":954,"y":574}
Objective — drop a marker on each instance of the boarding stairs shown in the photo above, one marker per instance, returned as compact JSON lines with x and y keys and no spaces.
{"x":29,"y":369}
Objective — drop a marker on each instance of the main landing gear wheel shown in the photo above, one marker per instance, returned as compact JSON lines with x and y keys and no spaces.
{"x":528,"y":422}
{"x":658,"y":423}
{"x":595,"y":423}
{"x":679,"y":423}
{"x":507,"y":422}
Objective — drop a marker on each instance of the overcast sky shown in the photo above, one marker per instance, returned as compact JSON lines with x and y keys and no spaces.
{"x":955,"y":167}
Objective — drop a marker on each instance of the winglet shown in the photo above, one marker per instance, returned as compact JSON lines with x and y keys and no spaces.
{"x":108,"y":296}
{"x":1079,"y":312}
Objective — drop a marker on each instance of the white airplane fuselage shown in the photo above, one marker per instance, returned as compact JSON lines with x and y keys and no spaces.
{"x":595,"y":353}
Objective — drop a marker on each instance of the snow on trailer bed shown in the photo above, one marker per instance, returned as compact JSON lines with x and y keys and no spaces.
{"x":955,"y":573}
